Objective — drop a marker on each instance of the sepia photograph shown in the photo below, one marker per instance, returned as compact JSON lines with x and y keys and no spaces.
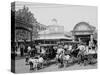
{"x":53,"y":37}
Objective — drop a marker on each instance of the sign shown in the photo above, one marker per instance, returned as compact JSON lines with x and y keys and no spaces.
{"x":82,"y":33}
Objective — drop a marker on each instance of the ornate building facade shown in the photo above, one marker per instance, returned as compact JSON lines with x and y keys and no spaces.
{"x":83,"y":32}
{"x":22,"y":31}
{"x":53,"y":34}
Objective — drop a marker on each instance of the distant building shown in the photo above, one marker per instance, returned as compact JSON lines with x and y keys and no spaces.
{"x":23,"y":31}
{"x":53,"y":34}
{"x":83,"y":32}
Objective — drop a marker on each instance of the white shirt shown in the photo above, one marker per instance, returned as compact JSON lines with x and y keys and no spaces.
{"x":66,"y":46}
{"x":29,"y":48}
{"x":60,"y":50}
{"x":42,"y":51}
{"x":81,"y":47}
{"x":70,"y":47}
{"x":34,"y":61}
{"x":67,"y":57}
{"x":41,"y":60}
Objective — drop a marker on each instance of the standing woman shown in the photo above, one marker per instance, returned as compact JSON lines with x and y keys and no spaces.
{"x":43,"y":51}
{"x":37,"y":49}
{"x":26,"y":50}
{"x":33,"y":51}
{"x":22,"y":49}
{"x":28,"y":55}
{"x":29,"y":50}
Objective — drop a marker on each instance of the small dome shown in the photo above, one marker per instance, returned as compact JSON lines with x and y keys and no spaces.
{"x":54,"y":21}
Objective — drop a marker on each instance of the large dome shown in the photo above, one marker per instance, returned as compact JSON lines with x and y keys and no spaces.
{"x":82,"y":26}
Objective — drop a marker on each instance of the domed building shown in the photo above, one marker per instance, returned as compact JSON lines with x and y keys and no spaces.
{"x":54,"y":33}
{"x":83,"y":32}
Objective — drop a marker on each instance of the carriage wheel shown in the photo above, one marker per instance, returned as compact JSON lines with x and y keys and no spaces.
{"x":61,"y":66}
{"x":67,"y":64}
{"x":79,"y":59}
{"x":86,"y":62}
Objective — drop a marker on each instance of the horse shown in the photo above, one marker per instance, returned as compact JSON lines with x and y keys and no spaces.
{"x":85,"y":56}
{"x":36,"y":63}
{"x":40,"y":62}
{"x":63,"y":59}
{"x":60,"y":52}
{"x":59,"y":59}
{"x":33,"y":62}
{"x":66,"y":59}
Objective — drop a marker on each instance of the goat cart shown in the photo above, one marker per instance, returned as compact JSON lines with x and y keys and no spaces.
{"x":87,"y":58}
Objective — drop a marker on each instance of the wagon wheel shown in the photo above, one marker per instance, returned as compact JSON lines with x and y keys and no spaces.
{"x":61,"y":66}
{"x":79,"y":58}
{"x":90,"y":57}
{"x":86,"y":62}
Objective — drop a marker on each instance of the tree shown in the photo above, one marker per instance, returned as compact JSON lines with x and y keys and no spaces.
{"x":25,"y":16}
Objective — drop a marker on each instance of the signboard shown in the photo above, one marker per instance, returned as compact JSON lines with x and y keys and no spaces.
{"x":82,"y":33}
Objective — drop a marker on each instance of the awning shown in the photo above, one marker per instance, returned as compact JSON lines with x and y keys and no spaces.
{"x":54,"y":37}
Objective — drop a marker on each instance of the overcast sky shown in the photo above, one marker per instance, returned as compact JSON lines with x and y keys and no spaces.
{"x":66,"y":15}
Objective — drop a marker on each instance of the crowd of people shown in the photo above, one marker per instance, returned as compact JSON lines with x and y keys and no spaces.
{"x":37,"y":55}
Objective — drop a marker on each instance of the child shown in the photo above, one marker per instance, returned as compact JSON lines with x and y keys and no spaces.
{"x":27,"y":59}
{"x":31,"y":63}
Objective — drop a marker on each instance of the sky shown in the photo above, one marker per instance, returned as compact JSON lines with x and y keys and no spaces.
{"x":66,"y":15}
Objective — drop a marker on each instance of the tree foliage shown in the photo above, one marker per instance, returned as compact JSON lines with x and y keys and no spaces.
{"x":25,"y":16}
